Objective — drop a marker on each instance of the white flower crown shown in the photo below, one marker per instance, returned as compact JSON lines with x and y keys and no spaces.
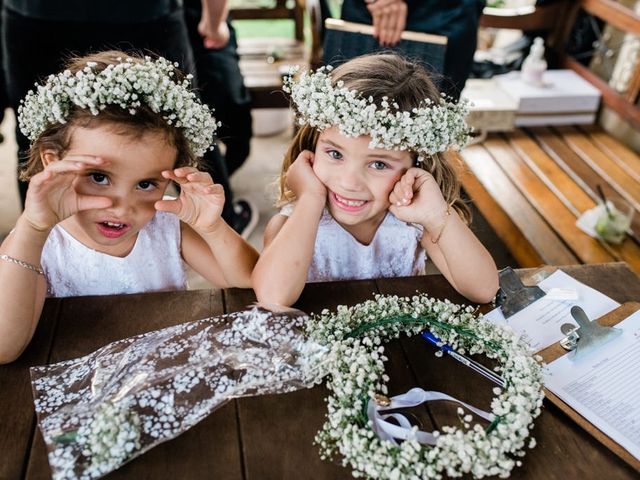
{"x":356,"y":363}
{"x":427,"y":129}
{"x":128,"y":84}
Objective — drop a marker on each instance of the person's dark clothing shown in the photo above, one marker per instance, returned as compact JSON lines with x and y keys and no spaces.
{"x":113,"y":11}
{"x":221,"y":86}
{"x":458,"y":20}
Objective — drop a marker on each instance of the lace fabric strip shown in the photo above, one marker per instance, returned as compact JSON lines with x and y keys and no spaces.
{"x":102,"y":410}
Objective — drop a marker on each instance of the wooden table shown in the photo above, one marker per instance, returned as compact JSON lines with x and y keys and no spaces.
{"x":271,"y":437}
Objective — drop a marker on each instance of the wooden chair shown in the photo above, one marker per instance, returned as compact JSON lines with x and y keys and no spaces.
{"x":264,"y":60}
{"x":533,"y":183}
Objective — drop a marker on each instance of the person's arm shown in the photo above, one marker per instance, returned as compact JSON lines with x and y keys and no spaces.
{"x":449,"y":242}
{"x":461,"y":258}
{"x":210,"y":246}
{"x":50,"y":199}
{"x":389,"y":20}
{"x":281,"y":271}
{"x":221,"y":256}
{"x":22,"y":290}
{"x":213,"y":23}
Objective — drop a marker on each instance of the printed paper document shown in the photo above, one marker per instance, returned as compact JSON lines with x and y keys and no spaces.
{"x":604,"y":386}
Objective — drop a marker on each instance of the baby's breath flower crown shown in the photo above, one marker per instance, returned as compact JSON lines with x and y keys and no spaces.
{"x":129,"y":85}
{"x":355,"y":364}
{"x":427,"y":129}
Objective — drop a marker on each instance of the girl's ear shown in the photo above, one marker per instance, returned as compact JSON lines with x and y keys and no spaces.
{"x":47,"y":156}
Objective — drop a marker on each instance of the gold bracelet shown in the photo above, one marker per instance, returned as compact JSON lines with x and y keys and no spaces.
{"x":22,"y":264}
{"x":444,"y":225}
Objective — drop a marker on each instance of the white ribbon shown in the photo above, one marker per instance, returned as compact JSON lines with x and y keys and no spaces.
{"x":404,"y":430}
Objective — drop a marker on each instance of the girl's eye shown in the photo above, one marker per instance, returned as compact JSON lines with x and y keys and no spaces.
{"x":379,"y":165}
{"x":336,"y":155}
{"x":147,"y":185}
{"x":99,"y":178}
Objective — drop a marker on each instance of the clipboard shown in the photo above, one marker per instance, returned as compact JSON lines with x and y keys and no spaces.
{"x":555,"y":351}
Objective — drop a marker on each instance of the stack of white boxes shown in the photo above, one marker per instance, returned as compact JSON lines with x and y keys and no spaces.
{"x":506,"y":101}
{"x":564,"y":98}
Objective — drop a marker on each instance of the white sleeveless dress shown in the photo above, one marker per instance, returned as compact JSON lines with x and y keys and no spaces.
{"x":154,"y":264}
{"x":395,"y":251}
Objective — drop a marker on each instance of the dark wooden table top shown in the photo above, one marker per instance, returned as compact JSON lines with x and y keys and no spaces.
{"x":271,"y":437}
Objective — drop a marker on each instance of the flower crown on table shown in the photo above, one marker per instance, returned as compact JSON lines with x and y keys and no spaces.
{"x":355,"y":363}
{"x":426,"y":130}
{"x":129,"y":85}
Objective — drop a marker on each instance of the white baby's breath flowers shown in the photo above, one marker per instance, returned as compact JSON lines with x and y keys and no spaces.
{"x":128,"y":85}
{"x":356,"y":368}
{"x":112,"y":436}
{"x":428,"y":129}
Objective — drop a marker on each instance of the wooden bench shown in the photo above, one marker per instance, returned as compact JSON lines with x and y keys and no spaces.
{"x":533,"y":183}
{"x":263,"y":60}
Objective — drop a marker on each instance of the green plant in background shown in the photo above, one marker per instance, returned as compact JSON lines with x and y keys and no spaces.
{"x":264,"y":28}
{"x":274,"y":27}
{"x":252,"y":3}
{"x":260,"y":27}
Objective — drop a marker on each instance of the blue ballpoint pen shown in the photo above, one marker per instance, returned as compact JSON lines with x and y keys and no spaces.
{"x":472,"y":364}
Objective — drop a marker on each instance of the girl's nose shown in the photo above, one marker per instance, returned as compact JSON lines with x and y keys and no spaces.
{"x":122,"y":204}
{"x":350,"y":179}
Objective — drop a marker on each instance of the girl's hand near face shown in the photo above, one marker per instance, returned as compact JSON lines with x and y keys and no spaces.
{"x":200,"y":202}
{"x":303,"y":181}
{"x":449,"y":242}
{"x":208,"y":244}
{"x":416,"y":198}
{"x":52,"y":196}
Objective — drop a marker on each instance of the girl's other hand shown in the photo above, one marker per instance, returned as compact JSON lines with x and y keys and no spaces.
{"x":302,"y":180}
{"x":416,"y":198}
{"x":52,"y":197}
{"x":200,"y":202}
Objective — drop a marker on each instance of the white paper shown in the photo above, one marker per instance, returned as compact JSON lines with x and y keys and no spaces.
{"x":539,"y":323}
{"x":604,"y":386}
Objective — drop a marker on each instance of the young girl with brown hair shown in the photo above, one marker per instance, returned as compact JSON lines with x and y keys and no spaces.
{"x":108,"y":136}
{"x":366,"y":188}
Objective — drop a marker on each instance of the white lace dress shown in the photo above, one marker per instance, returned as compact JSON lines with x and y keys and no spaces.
{"x":395,"y":251}
{"x":154,"y":264}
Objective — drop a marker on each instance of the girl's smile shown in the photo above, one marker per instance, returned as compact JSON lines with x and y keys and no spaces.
{"x":347,"y":204}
